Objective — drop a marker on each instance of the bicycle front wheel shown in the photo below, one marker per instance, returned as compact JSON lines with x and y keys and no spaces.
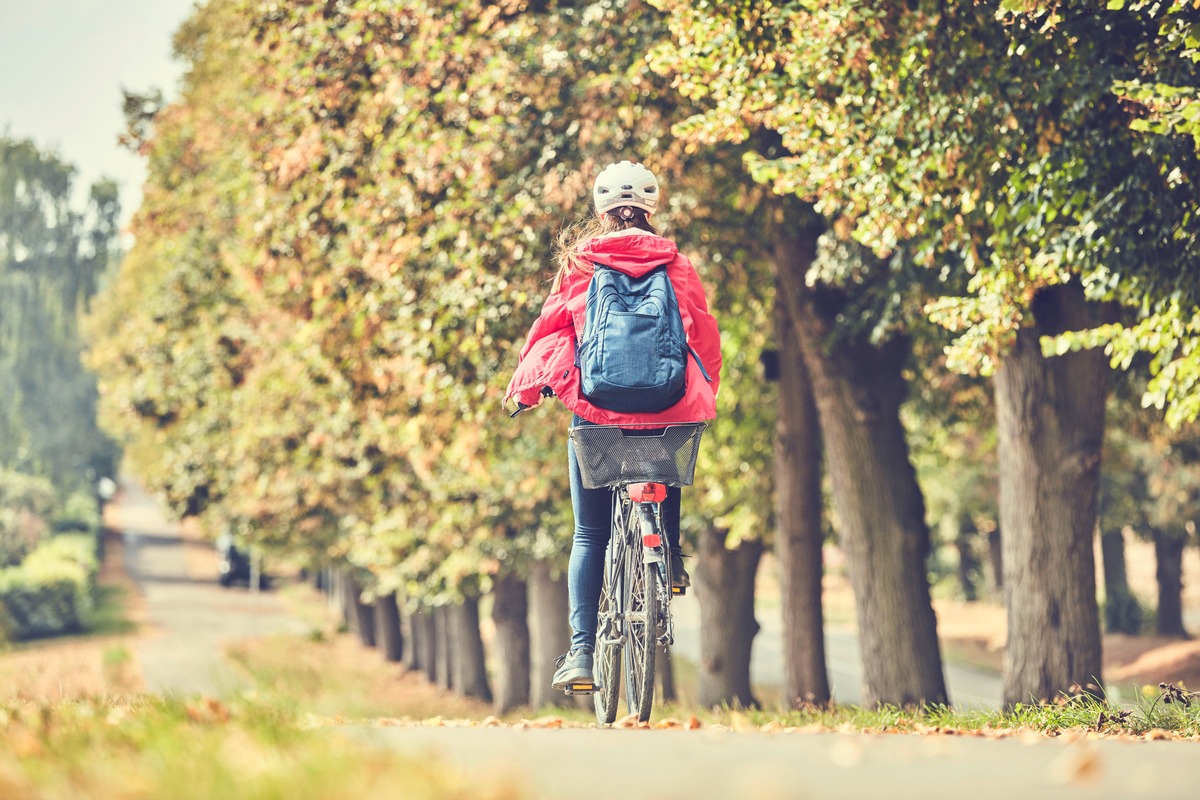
{"x":640,"y":644}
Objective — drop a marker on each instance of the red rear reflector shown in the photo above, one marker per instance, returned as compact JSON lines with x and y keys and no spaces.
{"x":647,"y":492}
{"x":652,"y":540}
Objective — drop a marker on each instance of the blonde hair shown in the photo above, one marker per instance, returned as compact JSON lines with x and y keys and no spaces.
{"x":570,"y":240}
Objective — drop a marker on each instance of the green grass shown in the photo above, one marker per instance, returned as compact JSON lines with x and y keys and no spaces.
{"x":171,"y":748}
{"x":1167,"y":709}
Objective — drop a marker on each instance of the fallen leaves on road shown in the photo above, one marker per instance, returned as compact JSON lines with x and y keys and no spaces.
{"x":1079,"y":765}
{"x":208,"y":709}
{"x":741,"y":723}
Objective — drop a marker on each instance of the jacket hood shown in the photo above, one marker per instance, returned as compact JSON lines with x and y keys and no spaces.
{"x":634,"y":253}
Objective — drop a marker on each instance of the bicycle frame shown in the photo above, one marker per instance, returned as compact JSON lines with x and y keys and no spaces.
{"x":634,"y":619}
{"x":634,"y":616}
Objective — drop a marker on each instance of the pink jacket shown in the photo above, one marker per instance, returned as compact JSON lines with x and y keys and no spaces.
{"x":548,"y":357}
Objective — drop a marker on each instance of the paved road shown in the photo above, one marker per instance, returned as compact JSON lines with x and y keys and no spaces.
{"x":605,"y":764}
{"x":967,"y":687}
{"x":191,"y":617}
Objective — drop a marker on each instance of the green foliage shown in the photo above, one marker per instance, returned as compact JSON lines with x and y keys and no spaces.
{"x":995,"y":145}
{"x":51,"y":260}
{"x":1152,"y":476}
{"x":345,"y":235}
{"x":80,"y":512}
{"x":25,"y":501}
{"x":51,"y":591}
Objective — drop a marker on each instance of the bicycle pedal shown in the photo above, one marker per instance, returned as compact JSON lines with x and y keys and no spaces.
{"x":679,"y":590}
{"x":581,"y":688}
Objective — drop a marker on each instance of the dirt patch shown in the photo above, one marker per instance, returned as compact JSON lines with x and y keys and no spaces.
{"x":974,"y":634}
{"x":1150,"y":660}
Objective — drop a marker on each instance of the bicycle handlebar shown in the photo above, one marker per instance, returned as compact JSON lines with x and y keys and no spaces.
{"x":546,"y":391}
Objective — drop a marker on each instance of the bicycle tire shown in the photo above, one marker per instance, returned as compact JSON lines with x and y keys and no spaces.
{"x":607,"y":666}
{"x":641,"y":636}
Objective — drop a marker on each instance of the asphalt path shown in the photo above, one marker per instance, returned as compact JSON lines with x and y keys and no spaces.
{"x":191,"y":618}
{"x":967,"y":687}
{"x":583,"y":764}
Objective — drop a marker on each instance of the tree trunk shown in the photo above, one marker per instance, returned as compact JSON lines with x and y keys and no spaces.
{"x":725,"y":589}
{"x":364,"y":619}
{"x":549,"y":633}
{"x":387,"y":622}
{"x":510,"y":612}
{"x":968,"y":564}
{"x":336,"y":594}
{"x":468,"y":663}
{"x":1168,"y":570}
{"x":349,"y":599}
{"x":1122,"y":614}
{"x":425,"y":641}
{"x":408,"y":633}
{"x":443,"y":655}
{"x":799,"y":535}
{"x":858,"y":387}
{"x":996,"y":556}
{"x":1050,"y":423}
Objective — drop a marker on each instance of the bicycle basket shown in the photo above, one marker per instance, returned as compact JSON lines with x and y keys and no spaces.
{"x":609,"y":455}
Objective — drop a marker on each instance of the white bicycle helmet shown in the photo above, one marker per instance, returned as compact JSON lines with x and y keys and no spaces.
{"x":625,"y":184}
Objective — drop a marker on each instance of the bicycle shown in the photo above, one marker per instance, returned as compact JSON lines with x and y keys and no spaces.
{"x":634,"y":619}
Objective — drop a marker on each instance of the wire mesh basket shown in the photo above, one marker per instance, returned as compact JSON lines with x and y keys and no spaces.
{"x":609,"y":455}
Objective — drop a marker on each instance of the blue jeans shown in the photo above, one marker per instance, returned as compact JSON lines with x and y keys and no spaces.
{"x":593,"y":529}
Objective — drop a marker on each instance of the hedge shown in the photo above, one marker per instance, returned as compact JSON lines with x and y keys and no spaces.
{"x":80,"y":512}
{"x":51,"y":591}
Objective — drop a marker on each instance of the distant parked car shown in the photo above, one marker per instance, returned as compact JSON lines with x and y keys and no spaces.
{"x":233,"y":564}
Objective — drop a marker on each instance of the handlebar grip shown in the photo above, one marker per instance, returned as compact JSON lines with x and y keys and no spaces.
{"x":520,"y":407}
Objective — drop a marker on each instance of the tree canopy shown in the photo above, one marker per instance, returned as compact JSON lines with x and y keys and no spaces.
{"x":52,"y":258}
{"x":348,"y":228}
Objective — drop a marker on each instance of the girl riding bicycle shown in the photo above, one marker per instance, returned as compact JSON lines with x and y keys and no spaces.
{"x":619,"y":236}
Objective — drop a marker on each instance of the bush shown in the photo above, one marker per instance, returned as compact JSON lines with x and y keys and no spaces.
{"x":51,"y":591}
{"x":24,"y":502}
{"x":81,"y":512}
{"x":29,"y":492}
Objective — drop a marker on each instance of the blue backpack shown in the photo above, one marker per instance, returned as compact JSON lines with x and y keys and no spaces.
{"x":633,"y":358}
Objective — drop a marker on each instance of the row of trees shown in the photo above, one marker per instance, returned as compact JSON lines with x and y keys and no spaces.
{"x":52,"y":450}
{"x":52,"y":255}
{"x":51,"y":258}
{"x":347,"y":229}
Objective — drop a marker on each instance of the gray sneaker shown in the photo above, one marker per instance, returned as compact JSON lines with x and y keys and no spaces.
{"x":574,"y":671}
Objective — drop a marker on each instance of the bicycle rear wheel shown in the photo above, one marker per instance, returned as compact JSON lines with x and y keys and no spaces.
{"x":606,"y":667}
{"x":641,"y":641}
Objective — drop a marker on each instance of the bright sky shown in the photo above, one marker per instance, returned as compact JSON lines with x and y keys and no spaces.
{"x":63,"y":64}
